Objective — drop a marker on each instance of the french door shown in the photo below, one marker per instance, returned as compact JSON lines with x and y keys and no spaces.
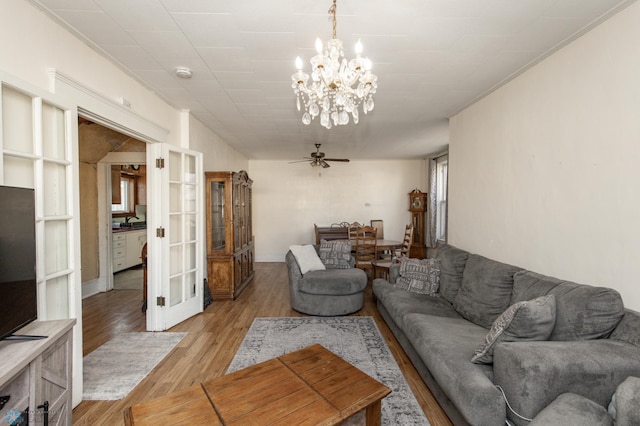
{"x":175,"y":243}
{"x":38,"y":149}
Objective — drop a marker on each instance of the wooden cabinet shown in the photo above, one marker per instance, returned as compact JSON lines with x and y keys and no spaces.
{"x":37,"y":371}
{"x":230,"y":250}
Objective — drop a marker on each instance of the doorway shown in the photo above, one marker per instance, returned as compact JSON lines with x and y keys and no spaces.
{"x":125,"y":157}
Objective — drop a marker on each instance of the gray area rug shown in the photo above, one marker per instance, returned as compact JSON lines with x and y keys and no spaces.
{"x":357,"y":340}
{"x":115,"y":368}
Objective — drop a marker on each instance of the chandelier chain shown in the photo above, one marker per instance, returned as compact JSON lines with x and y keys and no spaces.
{"x":332,"y":11}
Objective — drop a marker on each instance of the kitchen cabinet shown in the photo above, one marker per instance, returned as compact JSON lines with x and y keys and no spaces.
{"x":127,"y":248}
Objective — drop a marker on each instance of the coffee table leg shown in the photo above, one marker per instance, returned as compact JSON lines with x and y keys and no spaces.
{"x":374,"y":411}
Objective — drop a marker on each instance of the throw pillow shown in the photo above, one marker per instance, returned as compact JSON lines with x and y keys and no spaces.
{"x":419,"y":276}
{"x":335,"y":254}
{"x":452,"y":262}
{"x":307,"y":258}
{"x":523,"y":321}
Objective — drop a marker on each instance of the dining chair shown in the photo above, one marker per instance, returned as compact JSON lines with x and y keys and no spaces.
{"x":352,"y":228}
{"x":381,"y":266}
{"x":366,"y":248}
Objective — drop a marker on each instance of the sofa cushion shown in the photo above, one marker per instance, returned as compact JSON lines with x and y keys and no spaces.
{"x":528,"y":320}
{"x":307,"y":258}
{"x":624,"y":407}
{"x":582,"y":311}
{"x":419,"y":275}
{"x":333,"y":282}
{"x":399,"y":302}
{"x":452,"y":262}
{"x":486,"y":290}
{"x":445,"y":345}
{"x":570,"y":409}
{"x":335,"y":254}
{"x":628,"y":329}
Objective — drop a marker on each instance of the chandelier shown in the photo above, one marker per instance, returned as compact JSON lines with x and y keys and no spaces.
{"x":337,"y":87}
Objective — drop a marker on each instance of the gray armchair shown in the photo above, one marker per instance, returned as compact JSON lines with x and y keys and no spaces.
{"x":329,"y":292}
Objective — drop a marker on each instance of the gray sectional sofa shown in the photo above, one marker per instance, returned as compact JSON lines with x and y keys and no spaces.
{"x":590,"y":346}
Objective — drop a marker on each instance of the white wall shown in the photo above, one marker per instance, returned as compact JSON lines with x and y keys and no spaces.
{"x":289,"y":198}
{"x":218,"y":156}
{"x":545,"y":172}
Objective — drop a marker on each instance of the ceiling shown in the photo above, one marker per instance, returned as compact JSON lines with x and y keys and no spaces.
{"x":432,"y":59}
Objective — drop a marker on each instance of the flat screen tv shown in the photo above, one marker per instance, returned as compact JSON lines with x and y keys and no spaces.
{"x":18,"y":290}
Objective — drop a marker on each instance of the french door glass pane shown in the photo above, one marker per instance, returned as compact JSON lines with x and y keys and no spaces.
{"x":190,"y":279}
{"x":175,"y":233}
{"x":190,"y":198}
{"x":55,"y":194}
{"x":57,"y":298}
{"x":17,"y":121}
{"x":18,"y":172}
{"x":190,"y":256}
{"x":191,"y":227}
{"x":56,"y":248}
{"x":175,"y":285}
{"x":175,"y":197}
{"x":176,"y":263}
{"x":175,"y":166}
{"x":53,"y":132}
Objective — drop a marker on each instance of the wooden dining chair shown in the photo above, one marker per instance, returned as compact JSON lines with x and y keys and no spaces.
{"x":381,"y":266}
{"x":352,"y":228}
{"x":366,"y":248}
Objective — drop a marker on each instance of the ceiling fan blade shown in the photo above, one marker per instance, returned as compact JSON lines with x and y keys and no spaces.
{"x":300,"y":161}
{"x":344,"y":160}
{"x":324,"y":164}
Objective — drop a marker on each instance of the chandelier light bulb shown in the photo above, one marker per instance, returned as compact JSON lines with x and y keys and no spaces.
{"x":336,"y":87}
{"x":359,"y":48}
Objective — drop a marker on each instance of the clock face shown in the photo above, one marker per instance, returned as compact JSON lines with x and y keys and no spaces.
{"x":416,"y":202}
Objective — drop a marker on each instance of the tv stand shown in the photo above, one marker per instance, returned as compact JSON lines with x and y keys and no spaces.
{"x":23,"y":337}
{"x":37,"y":371}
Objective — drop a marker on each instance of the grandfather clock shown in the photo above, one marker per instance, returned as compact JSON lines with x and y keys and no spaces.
{"x":418,"y":207}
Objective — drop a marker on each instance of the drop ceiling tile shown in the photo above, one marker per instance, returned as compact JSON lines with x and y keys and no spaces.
{"x":263,"y":16}
{"x":97,"y":26}
{"x":72,"y":5}
{"x":133,"y":57}
{"x":138,"y":15}
{"x":209,"y":29}
{"x":225,"y":58}
{"x":158,"y":79}
{"x":197,"y":6}
{"x":165,"y":46}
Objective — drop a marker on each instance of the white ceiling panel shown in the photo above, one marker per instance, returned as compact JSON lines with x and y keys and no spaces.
{"x":432,"y":58}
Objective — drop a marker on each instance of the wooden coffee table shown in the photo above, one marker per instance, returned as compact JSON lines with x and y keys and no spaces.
{"x":311,"y":386}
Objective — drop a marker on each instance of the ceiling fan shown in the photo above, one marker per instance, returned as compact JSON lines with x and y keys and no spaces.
{"x":317,"y":159}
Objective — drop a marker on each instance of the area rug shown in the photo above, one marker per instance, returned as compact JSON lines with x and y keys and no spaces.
{"x":115,"y":368}
{"x":357,"y":340}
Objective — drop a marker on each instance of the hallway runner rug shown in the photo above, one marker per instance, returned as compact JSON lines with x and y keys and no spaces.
{"x":357,"y":340}
{"x":115,"y":368}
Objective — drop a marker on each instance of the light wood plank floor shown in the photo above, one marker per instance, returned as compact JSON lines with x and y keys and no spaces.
{"x":214,"y":336}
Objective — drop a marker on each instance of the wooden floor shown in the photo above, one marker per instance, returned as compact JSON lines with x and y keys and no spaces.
{"x":214,"y":336}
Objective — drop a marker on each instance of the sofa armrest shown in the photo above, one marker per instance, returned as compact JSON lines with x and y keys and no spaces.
{"x":533,"y":374}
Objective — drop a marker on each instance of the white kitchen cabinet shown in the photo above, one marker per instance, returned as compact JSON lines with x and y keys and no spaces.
{"x":127,"y":248}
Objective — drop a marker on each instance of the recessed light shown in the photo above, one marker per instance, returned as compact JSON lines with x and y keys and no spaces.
{"x":183,"y":72}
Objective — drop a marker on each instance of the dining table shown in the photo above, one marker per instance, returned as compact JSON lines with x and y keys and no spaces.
{"x":382,"y":245}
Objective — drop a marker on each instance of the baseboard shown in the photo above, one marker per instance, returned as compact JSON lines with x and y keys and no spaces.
{"x":90,"y":288}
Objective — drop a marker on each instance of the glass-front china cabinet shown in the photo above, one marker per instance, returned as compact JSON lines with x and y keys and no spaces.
{"x":230,"y":248}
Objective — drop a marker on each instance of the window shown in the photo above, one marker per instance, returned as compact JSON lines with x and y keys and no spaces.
{"x":442,"y":164}
{"x":126,"y":196}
